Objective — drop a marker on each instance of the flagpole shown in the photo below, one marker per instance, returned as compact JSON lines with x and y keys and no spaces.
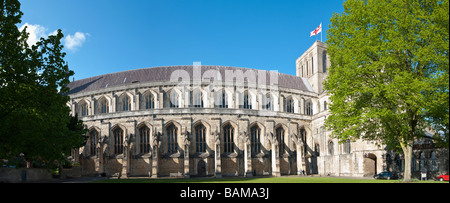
{"x":321,"y":33}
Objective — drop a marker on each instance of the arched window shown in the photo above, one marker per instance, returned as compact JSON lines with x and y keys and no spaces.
{"x":325,"y":105}
{"x":267,"y":102}
{"x":331,"y":148}
{"x":200,"y":138}
{"x":124,"y":103}
{"x":173,"y":99}
{"x":347,"y":147}
{"x":228,"y":136}
{"x":307,"y":68}
{"x":197,"y":98}
{"x":289,"y":105}
{"x":434,"y":165}
{"x":280,"y":137}
{"x":255,"y":132}
{"x":103,"y":105}
{"x":221,"y":100}
{"x":398,"y":163}
{"x":118,"y":141}
{"x":144,"y":140}
{"x":324,"y":61}
{"x":93,"y":138}
{"x":84,"y":108}
{"x":149,"y":101}
{"x":172,"y":138}
{"x":422,"y":162}
{"x":247,"y":103}
{"x":303,"y":74}
{"x":308,"y":108}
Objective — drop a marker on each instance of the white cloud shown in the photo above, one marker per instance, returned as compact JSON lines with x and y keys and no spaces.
{"x":73,"y":42}
{"x":36,"y":33}
{"x":54,"y":33}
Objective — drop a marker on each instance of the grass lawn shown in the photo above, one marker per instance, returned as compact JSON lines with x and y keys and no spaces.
{"x":259,"y":180}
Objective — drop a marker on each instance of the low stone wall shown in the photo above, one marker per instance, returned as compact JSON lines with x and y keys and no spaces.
{"x":74,"y":172}
{"x":11,"y":175}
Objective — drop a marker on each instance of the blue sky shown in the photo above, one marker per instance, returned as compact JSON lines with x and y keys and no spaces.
{"x":107,"y":36}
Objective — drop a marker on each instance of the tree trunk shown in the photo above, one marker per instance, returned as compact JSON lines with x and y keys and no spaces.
{"x":407,"y":151}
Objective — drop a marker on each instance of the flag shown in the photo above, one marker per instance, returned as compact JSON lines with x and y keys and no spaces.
{"x":316,"y":31}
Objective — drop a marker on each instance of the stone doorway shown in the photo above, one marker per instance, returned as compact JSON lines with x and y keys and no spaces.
{"x":201,"y":168}
{"x":370,"y":165}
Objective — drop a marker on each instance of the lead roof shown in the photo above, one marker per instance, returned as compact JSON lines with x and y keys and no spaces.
{"x":162,"y":74}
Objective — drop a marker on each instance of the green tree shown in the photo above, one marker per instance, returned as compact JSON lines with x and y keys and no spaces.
{"x":389,"y":79}
{"x":33,"y":93}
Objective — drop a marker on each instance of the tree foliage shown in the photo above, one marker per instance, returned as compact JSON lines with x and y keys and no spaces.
{"x":389,"y":79}
{"x":33,"y":93}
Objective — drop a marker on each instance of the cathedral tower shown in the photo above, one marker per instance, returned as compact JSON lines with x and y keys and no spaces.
{"x":313,"y":65}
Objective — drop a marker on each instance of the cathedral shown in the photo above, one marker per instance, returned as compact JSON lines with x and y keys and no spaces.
{"x":217,"y":121}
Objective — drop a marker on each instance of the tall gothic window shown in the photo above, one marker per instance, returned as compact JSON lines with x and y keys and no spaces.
{"x":172,"y":138}
{"x":200,"y":138}
{"x":289,"y":107}
{"x":104,"y":105}
{"x":303,"y":74}
{"x":255,"y":139}
{"x":280,"y":138}
{"x":144,"y":140}
{"x":197,"y":98}
{"x":347,"y":147}
{"x":149,"y":100}
{"x":173,"y":99}
{"x":84,"y":109}
{"x":221,"y":100}
{"x":93,"y":138}
{"x":228,"y":137}
{"x":434,"y":164}
{"x":267,"y":102}
{"x":324,"y":58}
{"x":331,"y":148}
{"x":247,"y":104}
{"x":125,"y":103}
{"x":307,"y":69}
{"x":118,"y":141}
{"x":422,"y":162}
{"x":308,"y":108}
